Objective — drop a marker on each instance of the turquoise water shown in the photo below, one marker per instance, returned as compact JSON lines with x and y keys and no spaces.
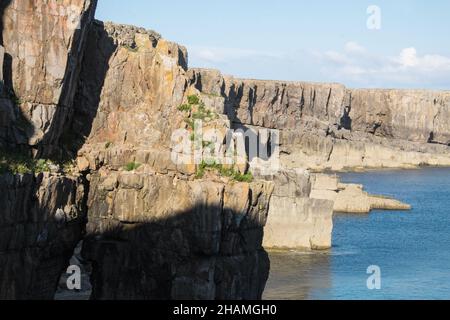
{"x":412,"y":248}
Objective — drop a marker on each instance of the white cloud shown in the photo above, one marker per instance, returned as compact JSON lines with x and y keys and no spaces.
{"x":352,"y":65}
{"x":353,"y":47}
{"x":357,"y":66}
{"x":408,"y":57}
{"x":208,"y":55}
{"x":337,"y":57}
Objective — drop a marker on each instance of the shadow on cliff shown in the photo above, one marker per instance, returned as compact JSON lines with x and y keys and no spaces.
{"x":203,"y":253}
{"x":232,"y":101}
{"x":78,"y":125}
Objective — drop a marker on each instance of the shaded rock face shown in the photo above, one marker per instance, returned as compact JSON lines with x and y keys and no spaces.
{"x":154,"y":233}
{"x":202,"y":239}
{"x":41,"y":222}
{"x":43,"y":216}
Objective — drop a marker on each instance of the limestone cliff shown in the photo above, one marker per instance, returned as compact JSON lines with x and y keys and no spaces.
{"x":198,"y":233}
{"x":297,"y":219}
{"x":327,"y":126}
{"x":351,"y":198}
{"x":152,"y":236}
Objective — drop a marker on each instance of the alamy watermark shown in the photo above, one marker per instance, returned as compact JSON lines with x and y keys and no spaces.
{"x":374,"y":280}
{"x":256,"y":147}
{"x":74,"y":280}
{"x":374,"y":20}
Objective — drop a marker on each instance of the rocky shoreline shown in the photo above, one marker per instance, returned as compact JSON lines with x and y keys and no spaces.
{"x":104,"y":99}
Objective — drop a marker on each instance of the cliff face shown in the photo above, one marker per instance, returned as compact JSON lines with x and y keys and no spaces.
{"x":155,"y":231}
{"x":327,"y":126}
{"x":298,"y":219}
{"x":42,"y":216}
{"x":41,"y":223}
{"x":155,"y":237}
{"x":202,"y":236}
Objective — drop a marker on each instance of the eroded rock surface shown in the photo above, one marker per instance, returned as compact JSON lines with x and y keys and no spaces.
{"x":294,"y":208}
{"x":351,"y":198}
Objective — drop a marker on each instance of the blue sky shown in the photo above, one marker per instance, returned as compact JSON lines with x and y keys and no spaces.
{"x":321,"y":40}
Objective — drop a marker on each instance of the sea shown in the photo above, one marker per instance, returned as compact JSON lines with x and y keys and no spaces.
{"x":390,"y":255}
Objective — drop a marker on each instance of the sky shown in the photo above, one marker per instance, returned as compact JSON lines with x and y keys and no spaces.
{"x":362,"y":44}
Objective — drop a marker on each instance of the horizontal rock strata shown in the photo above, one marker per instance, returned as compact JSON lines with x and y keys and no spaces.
{"x":296,"y":219}
{"x":327,"y":126}
{"x":202,"y":239}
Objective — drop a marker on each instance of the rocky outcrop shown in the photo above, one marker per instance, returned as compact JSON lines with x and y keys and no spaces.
{"x":129,"y":93}
{"x":156,"y":231}
{"x":41,"y":222}
{"x":109,"y":97}
{"x":329,"y":127}
{"x":351,"y":198}
{"x":202,"y":239}
{"x":297,"y":220}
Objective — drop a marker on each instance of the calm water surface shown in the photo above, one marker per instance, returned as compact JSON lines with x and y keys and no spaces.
{"x":411,"y":248}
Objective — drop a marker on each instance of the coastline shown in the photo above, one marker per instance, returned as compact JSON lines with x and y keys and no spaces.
{"x":400,"y":243}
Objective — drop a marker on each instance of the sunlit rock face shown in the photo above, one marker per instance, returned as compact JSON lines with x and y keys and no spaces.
{"x":328,"y":126}
{"x":43,"y":43}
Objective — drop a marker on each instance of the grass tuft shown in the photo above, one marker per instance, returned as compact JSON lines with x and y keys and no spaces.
{"x":131,"y":166}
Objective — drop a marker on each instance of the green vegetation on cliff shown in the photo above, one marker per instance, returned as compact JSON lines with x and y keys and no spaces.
{"x":223,"y":171}
{"x":17,"y":163}
{"x":22,"y":163}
